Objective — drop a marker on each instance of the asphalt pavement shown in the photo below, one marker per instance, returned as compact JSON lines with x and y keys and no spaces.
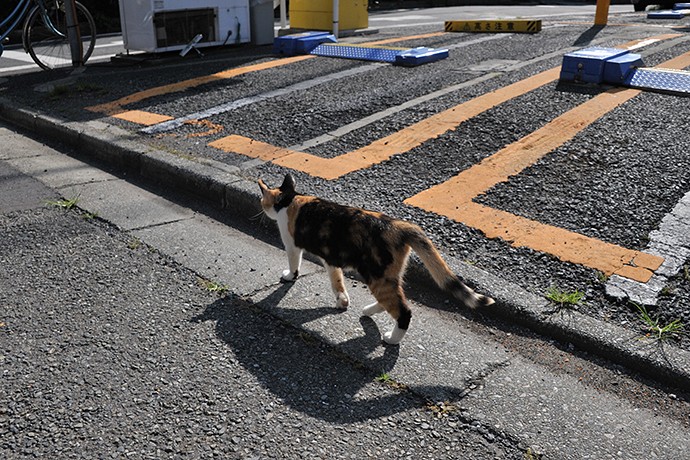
{"x":113,"y":337}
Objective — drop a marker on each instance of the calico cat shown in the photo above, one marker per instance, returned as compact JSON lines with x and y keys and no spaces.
{"x":373,"y":244}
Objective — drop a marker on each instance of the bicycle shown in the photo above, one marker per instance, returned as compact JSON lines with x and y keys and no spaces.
{"x":44,"y":32}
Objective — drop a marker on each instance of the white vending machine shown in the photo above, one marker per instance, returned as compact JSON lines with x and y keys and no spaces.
{"x":169,"y":25}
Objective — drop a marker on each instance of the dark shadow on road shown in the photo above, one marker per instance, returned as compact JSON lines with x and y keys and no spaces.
{"x":588,"y":35}
{"x":308,"y":374}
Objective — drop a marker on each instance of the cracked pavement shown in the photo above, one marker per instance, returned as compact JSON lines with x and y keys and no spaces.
{"x":116,"y":350}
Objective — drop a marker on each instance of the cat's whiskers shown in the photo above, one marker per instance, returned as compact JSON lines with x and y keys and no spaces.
{"x":260,"y":215}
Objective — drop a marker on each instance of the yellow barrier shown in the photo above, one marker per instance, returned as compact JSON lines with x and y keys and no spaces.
{"x":529,"y":26}
{"x":601,"y":16}
{"x":318,"y":14}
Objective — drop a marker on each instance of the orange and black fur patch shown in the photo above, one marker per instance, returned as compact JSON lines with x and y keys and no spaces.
{"x":375,"y":245}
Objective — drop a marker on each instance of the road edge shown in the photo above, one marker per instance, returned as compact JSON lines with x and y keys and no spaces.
{"x":223,"y":187}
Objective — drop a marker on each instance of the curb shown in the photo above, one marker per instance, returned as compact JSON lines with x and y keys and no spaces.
{"x":221,"y":185}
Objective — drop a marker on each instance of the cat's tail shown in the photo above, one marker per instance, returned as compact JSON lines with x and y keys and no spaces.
{"x":439,"y":270}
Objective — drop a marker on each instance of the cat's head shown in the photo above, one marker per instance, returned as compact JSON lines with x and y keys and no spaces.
{"x":275,"y":199}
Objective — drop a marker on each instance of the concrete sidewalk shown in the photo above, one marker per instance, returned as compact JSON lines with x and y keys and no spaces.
{"x":270,"y":369}
{"x":224,"y":186}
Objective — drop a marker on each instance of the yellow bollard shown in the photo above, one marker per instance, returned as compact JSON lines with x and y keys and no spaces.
{"x":601,"y":16}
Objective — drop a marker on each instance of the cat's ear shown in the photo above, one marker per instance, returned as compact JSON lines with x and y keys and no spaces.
{"x":288,"y":184}
{"x":262,"y":186}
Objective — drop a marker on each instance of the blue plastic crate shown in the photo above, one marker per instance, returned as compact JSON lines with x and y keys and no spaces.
{"x":665,"y":14}
{"x":419,"y":56}
{"x":587,"y":65}
{"x":303,"y":43}
{"x":617,"y":69}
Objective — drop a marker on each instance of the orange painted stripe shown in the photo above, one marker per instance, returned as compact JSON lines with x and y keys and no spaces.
{"x":250,"y":147}
{"x":142,"y":118}
{"x":114,"y":107}
{"x":515,"y":157}
{"x":383,"y":149}
{"x":453,"y":198}
{"x":403,"y":140}
{"x":564,"y":244}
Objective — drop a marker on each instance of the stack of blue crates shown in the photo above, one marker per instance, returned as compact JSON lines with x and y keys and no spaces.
{"x":620,"y":67}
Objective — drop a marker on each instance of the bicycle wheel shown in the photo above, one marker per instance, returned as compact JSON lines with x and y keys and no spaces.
{"x":49,"y":49}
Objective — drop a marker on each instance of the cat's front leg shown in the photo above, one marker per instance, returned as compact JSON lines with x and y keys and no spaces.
{"x":294,"y":262}
{"x":342,"y":300}
{"x":293,"y":252}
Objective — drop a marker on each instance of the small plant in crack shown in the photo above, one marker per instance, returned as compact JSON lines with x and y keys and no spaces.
{"x":441,"y":409}
{"x":64,"y":203}
{"x":602,"y":277}
{"x":212,"y":286}
{"x":655,"y":329}
{"x":564,"y":299}
{"x":532,"y":454}
{"x":386,"y":379}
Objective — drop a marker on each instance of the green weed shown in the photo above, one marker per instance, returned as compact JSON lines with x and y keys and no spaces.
{"x":212,"y":286}
{"x":386,"y":379}
{"x":63,"y":91}
{"x":602,"y":277}
{"x":64,"y":203}
{"x":59,"y":92}
{"x":655,"y":329}
{"x":134,"y":243}
{"x":531,"y":454}
{"x":564,"y":298}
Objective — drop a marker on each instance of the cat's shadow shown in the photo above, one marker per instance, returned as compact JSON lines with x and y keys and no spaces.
{"x":304,"y":372}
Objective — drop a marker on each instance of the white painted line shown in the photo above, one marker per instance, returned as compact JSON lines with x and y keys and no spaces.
{"x":672,"y":242}
{"x":119,"y":43}
{"x":16,"y":55}
{"x":177,"y":122}
{"x":301,"y":86}
{"x":34,"y":66}
{"x":410,"y":17}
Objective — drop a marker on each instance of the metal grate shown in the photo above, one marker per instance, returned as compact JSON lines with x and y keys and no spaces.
{"x":676,"y":81}
{"x":364,"y":53}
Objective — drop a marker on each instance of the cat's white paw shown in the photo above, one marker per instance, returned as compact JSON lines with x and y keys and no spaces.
{"x":371,"y":310}
{"x":342,"y":301}
{"x":394,"y":336}
{"x":288,"y":276}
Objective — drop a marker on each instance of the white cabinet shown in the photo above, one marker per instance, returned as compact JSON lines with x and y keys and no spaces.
{"x":169,"y":25}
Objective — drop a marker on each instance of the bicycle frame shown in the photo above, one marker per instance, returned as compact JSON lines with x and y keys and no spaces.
{"x":46,"y":19}
{"x":46,"y":33}
{"x":15,"y":18}
{"x":20,"y":13}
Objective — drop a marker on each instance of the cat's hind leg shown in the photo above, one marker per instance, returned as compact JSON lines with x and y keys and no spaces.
{"x":342,"y":300}
{"x":390,"y":297}
{"x":373,"y":309}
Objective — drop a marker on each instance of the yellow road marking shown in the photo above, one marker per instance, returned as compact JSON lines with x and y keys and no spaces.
{"x":115,"y":108}
{"x":111,"y":108}
{"x":141,"y":117}
{"x":383,"y":149}
{"x":396,"y":143}
{"x":453,"y":198}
